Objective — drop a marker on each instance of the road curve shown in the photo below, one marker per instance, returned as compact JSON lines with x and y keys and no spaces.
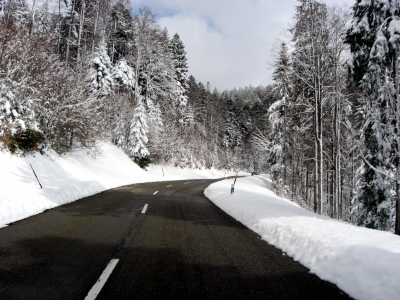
{"x":180,"y":247}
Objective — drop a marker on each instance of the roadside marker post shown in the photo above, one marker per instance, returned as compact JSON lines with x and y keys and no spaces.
{"x":36,"y":176}
{"x":233,"y":184}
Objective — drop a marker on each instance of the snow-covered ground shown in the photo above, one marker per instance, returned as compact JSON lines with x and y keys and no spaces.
{"x":74,"y":176}
{"x":364,"y":263}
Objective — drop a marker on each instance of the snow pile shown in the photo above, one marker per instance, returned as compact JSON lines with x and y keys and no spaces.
{"x":364,"y":263}
{"x":71,"y":177}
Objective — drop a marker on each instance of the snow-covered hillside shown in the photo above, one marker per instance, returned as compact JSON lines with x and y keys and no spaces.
{"x":365,"y":263}
{"x":73,"y":176}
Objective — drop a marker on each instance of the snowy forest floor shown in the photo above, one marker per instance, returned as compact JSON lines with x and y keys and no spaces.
{"x":364,"y":263}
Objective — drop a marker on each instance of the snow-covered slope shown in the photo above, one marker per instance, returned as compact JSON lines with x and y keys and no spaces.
{"x":364,"y":263}
{"x":73,"y":176}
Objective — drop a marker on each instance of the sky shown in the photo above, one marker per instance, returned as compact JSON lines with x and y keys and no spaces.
{"x":228,"y":42}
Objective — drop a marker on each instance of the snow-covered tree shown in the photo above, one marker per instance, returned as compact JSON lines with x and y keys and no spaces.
{"x":123,"y":75}
{"x":121,"y":32}
{"x":120,"y":134}
{"x":16,"y":115}
{"x":374,"y":38}
{"x":16,"y":12}
{"x":278,"y":114}
{"x":137,"y":138}
{"x":188,"y":116}
{"x":181,"y":68}
{"x":42,"y":24}
{"x":99,"y":74}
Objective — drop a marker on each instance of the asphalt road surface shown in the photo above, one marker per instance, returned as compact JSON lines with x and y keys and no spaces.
{"x":181,"y":247}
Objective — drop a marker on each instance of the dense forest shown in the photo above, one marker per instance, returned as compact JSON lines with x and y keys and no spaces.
{"x":76,"y":72}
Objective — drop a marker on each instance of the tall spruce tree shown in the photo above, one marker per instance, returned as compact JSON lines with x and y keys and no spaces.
{"x":137,"y":138}
{"x":181,"y":69}
{"x":278,"y":115}
{"x":374,"y":38}
{"x":99,"y":75}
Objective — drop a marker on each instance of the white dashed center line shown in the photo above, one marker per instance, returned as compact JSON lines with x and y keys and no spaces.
{"x":186,"y":182}
{"x":145,"y":208}
{"x":155,"y":192}
{"x":102,"y":280}
{"x":169,"y":185}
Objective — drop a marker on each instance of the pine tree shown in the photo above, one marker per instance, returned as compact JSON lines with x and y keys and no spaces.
{"x":121,"y":32}
{"x":16,"y":12}
{"x":278,"y":115}
{"x":188,"y":118}
{"x":16,"y":115}
{"x":374,"y":38}
{"x":137,"y":138}
{"x":99,"y":74}
{"x":123,"y":75}
{"x":7,"y":115}
{"x":43,"y":22}
{"x":120,"y":133}
{"x":181,"y":69}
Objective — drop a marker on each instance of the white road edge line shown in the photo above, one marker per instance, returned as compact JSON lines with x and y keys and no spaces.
{"x":102,"y":280}
{"x":155,"y":192}
{"x":144,"y":208}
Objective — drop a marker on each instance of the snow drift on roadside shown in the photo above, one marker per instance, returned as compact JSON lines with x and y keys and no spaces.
{"x":364,"y":263}
{"x":71,"y":177}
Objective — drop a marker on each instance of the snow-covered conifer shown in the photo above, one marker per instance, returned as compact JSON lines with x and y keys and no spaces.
{"x":42,"y":22}
{"x":121,"y":32}
{"x":374,"y":38}
{"x":16,"y":115}
{"x":99,"y":74}
{"x":120,"y":133}
{"x":277,"y":113}
{"x":137,"y":138}
{"x":16,"y":12}
{"x":123,"y":75}
{"x":188,"y":117}
{"x":181,"y":68}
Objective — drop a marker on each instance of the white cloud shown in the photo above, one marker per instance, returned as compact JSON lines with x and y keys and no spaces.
{"x":228,"y":43}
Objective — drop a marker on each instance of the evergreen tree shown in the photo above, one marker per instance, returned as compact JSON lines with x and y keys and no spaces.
{"x":278,"y":115}
{"x":137,"y":138}
{"x":123,"y":75}
{"x":181,"y":68}
{"x":43,"y":22}
{"x":121,"y":32}
{"x":120,"y":133}
{"x":99,"y":74}
{"x":374,"y":38}
{"x":16,"y":12}
{"x":16,"y":115}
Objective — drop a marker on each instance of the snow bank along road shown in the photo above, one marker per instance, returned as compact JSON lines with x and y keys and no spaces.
{"x":179,"y":246}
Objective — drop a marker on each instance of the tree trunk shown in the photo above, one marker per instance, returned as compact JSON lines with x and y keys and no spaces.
{"x":69,"y":33}
{"x":81,"y":21}
{"x":397,"y":145}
